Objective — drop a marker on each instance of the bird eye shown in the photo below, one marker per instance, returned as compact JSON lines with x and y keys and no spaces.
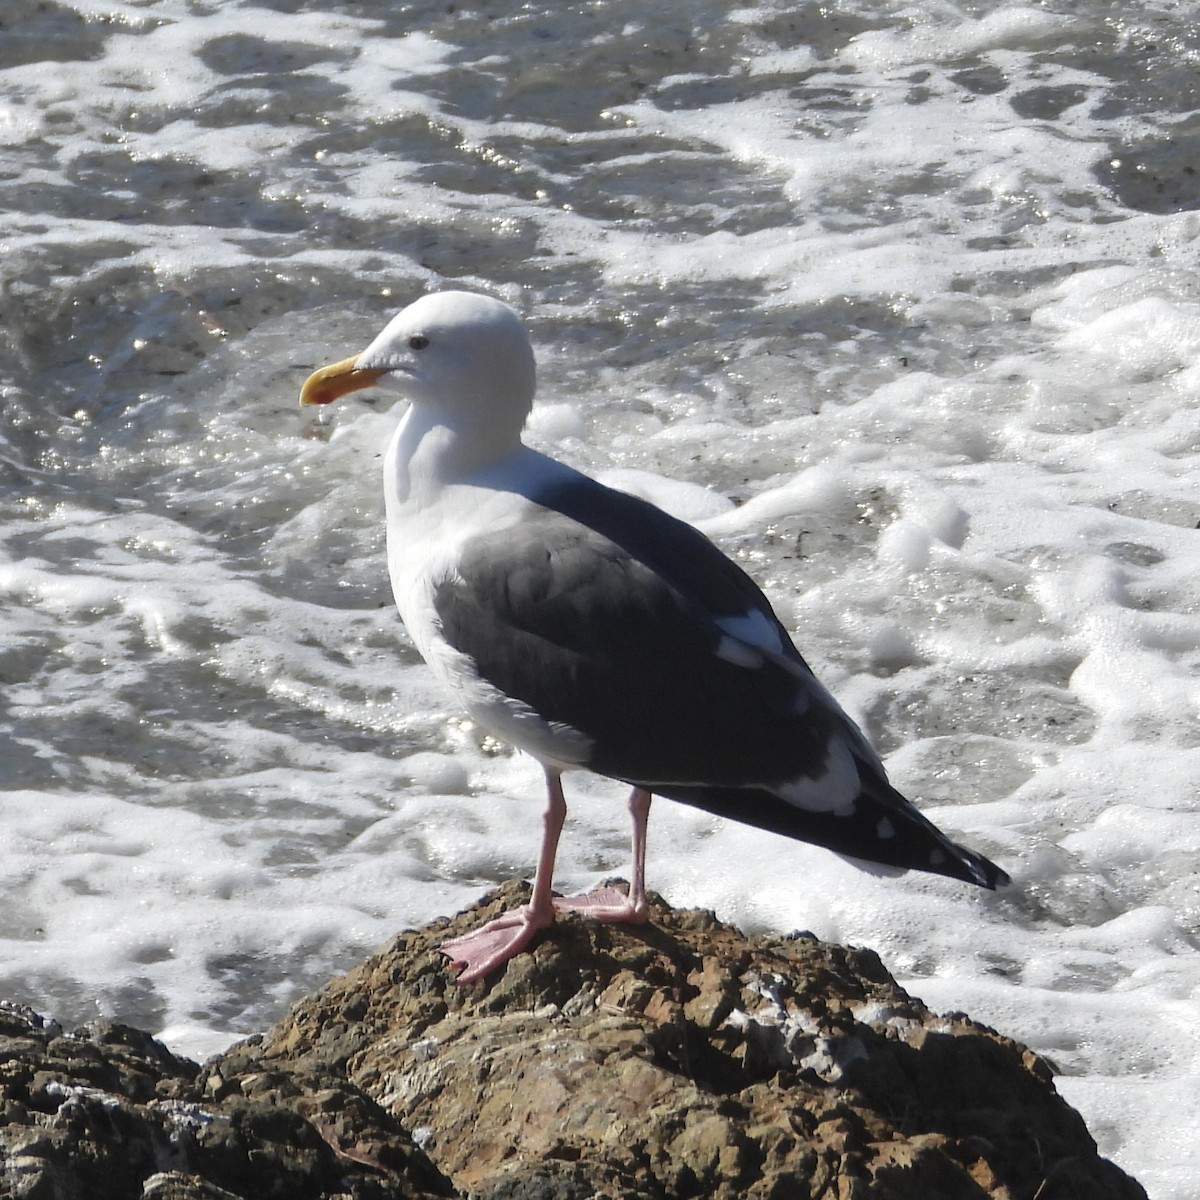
{"x":418,"y":341}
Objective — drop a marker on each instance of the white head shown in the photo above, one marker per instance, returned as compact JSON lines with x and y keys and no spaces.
{"x":454,"y":352}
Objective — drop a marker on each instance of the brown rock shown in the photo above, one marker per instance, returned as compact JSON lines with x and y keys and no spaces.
{"x":684,"y":1059}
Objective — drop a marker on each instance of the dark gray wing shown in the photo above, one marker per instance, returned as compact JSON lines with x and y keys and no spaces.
{"x":600,"y":612}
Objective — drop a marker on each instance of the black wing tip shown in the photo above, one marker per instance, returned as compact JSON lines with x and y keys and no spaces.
{"x":983,"y":872}
{"x":1001,"y":879}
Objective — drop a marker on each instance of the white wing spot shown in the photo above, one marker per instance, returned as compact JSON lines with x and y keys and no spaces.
{"x":754,"y":627}
{"x":885,"y":828}
{"x":734,"y":650}
{"x":835,"y":791}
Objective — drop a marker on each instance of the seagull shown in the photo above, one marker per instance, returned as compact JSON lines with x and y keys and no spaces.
{"x":594,"y":631}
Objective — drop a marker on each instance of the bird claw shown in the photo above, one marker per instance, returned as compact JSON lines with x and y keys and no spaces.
{"x":607,"y":905}
{"x":490,"y":946}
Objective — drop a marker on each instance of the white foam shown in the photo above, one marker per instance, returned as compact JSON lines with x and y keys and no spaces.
{"x":688,"y":501}
{"x":867,"y":308}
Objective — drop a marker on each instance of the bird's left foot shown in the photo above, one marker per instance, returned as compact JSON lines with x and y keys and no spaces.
{"x":607,"y":905}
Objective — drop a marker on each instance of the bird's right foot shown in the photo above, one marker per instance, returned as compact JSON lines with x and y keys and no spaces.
{"x":490,"y":946}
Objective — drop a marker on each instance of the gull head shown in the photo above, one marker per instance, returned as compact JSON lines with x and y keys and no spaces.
{"x":447,"y":351}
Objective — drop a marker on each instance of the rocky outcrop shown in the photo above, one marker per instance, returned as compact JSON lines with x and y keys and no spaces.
{"x":681,"y":1059}
{"x":107,"y":1113}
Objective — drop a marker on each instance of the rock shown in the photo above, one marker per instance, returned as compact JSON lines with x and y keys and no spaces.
{"x":686,"y":1059}
{"x":108,"y":1113}
{"x":681,"y":1059}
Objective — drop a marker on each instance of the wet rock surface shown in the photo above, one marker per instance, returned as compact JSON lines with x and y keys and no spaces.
{"x":681,"y":1059}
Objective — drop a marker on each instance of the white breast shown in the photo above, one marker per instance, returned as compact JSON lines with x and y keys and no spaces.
{"x":426,"y":535}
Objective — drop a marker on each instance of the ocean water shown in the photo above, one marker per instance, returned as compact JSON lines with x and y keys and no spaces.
{"x":898,"y":301}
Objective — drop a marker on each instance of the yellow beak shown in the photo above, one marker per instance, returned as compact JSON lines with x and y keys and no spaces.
{"x":338,"y":379}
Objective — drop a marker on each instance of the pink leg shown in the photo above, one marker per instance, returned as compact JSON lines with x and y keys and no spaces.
{"x":608,"y":904}
{"x":492,"y":945}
